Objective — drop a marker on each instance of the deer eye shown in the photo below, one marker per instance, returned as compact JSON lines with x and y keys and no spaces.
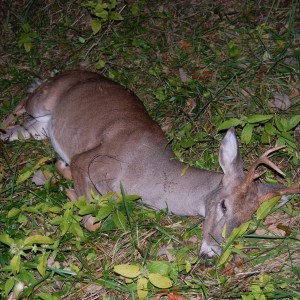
{"x":223,"y":206}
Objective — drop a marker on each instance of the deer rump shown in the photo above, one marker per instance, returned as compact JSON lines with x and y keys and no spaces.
{"x":103,"y":132}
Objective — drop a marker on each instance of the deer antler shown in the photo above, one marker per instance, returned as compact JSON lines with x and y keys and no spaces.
{"x":293,"y":189}
{"x":263,"y":159}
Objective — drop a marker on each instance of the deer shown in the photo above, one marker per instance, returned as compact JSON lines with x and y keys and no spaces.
{"x":105,"y":137}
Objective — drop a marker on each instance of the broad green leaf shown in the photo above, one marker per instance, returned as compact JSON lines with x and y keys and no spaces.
{"x":100,"y":64}
{"x":96,"y":26}
{"x":113,"y":15}
{"x":132,"y":197}
{"x":5,"y":239}
{"x":64,"y":226}
{"x":278,"y":123}
{"x":9,"y":284}
{"x":15,"y":263}
{"x":42,"y":161}
{"x":247,"y":297}
{"x":31,"y":209}
{"x":266,"y":207}
{"x":129,"y":271}
{"x":229,"y":123}
{"x":142,"y":289}
{"x":259,"y":118}
{"x":22,"y":219}
{"x":38,"y":239}
{"x":112,"y":4}
{"x":103,"y":213}
{"x":161,"y":267}
{"x":160,"y":281}
{"x":293,"y":122}
{"x":102,"y":14}
{"x":54,"y":209}
{"x":188,"y":267}
{"x":238,"y":231}
{"x":257,"y":292}
{"x":270,"y":129}
{"x":288,"y":136}
{"x":26,"y":27}
{"x":41,"y":266}
{"x":57,"y":220}
{"x":281,"y":141}
{"x":265,"y":278}
{"x":47,"y":296}
{"x":76,"y":229}
{"x":24,"y":176}
{"x":108,"y":196}
{"x":87,"y":209}
{"x":13,"y":212}
{"x":119,"y":219}
{"x":225,"y":255}
{"x":234,"y":50}
{"x":27,"y":46}
{"x":247,"y":134}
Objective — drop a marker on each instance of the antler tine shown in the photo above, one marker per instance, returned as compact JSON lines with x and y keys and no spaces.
{"x":293,"y":189}
{"x":263,"y":159}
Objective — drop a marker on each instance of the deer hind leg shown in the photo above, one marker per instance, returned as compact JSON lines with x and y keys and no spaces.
{"x":36,"y":128}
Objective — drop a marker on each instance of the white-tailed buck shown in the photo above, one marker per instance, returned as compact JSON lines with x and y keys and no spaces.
{"x":105,"y":135}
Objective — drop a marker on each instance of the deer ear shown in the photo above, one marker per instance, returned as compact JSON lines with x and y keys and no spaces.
{"x":230,"y":159}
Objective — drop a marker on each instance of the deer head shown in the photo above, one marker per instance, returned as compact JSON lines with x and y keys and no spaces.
{"x":238,"y":195}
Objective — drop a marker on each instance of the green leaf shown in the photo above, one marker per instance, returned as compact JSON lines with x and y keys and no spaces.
{"x":100,"y":64}
{"x":142,"y":289}
{"x":27,"y":46}
{"x":13,"y":212}
{"x":9,"y":284}
{"x":55,"y":209}
{"x":132,"y":197}
{"x":24,"y":176}
{"x":15,"y":263}
{"x":31,"y":209}
{"x":229,"y":123}
{"x":160,"y":281}
{"x":119,"y":219}
{"x":129,"y":271}
{"x":41,"y":267}
{"x":225,"y":255}
{"x":238,"y":231}
{"x":87,"y":209}
{"x":270,"y":129}
{"x":96,"y":25}
{"x":113,"y":15}
{"x":266,"y":207}
{"x":57,"y":220}
{"x":47,"y":296}
{"x":76,"y":229}
{"x":257,"y":292}
{"x":103,"y":213}
{"x":161,"y":267}
{"x":278,"y":123}
{"x":293,"y":122}
{"x":41,"y":162}
{"x":22,"y":219}
{"x":259,"y":118}
{"x":38,"y":239}
{"x":5,"y":239}
{"x":247,"y":134}
{"x":234,"y":50}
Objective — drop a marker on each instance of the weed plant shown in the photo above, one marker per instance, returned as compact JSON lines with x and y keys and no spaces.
{"x":199,"y":67}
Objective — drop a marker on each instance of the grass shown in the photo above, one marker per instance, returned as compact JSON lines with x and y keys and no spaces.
{"x":194,"y":65}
